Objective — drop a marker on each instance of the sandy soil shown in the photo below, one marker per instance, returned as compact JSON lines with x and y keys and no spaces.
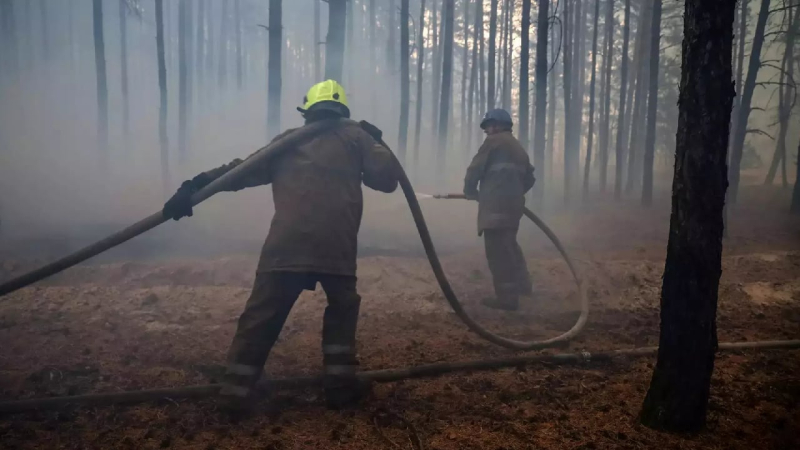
{"x":145,"y":324}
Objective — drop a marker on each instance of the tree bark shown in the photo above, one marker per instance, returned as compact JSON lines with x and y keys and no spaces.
{"x":546,"y":165}
{"x":652,"y":105}
{"x":123,"y":52}
{"x":464,"y":70}
{"x":162,"y":88}
{"x":420,"y":76}
{"x":102,"y":86}
{"x":568,"y":102}
{"x":447,"y":74}
{"x":473,"y":78}
{"x":199,"y":46}
{"x":605,"y":127}
{"x":743,"y":15}
{"x":391,"y":43}
{"x":405,"y":80}
{"x":334,"y":43}
{"x":492,"y":88}
{"x":436,"y":85}
{"x":222,"y":78}
{"x":640,"y":99}
{"x":590,"y":137}
{"x":743,"y":113}
{"x":274,"y":75}
{"x":678,"y":396}
{"x":183,"y":77}
{"x":626,"y":31}
{"x":540,"y":114}
{"x":524,"y":60}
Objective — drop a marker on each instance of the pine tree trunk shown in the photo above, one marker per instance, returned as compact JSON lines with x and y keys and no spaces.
{"x":222,"y":78}
{"x":743,"y":16}
{"x":546,"y":164}
{"x":239,"y":50}
{"x":492,"y":88}
{"x":162,"y":88}
{"x":373,"y":63}
{"x":652,"y":105}
{"x":633,"y":180}
{"x":436,"y":85}
{"x":447,"y":75}
{"x":540,"y":113}
{"x":481,"y":65}
{"x":391,"y":43}
{"x":209,"y":60}
{"x":464,"y":70}
{"x":567,"y":60}
{"x":507,"y":64}
{"x":743,"y":113}
{"x":626,"y":31}
{"x":579,"y":88}
{"x":678,"y":396}
{"x":189,"y":38}
{"x":524,"y":95}
{"x":317,"y":37}
{"x":183,"y":76}
{"x":334,"y":43}
{"x":199,"y":47}
{"x":590,"y":137}
{"x":405,"y":80}
{"x":123,"y":52}
{"x":420,"y":76}
{"x":274,"y":76}
{"x":473,"y":77}
{"x":102,"y":86}
{"x":605,"y":127}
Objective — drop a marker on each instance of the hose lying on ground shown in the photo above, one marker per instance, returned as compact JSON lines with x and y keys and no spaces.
{"x":378,"y":376}
{"x":264,"y":155}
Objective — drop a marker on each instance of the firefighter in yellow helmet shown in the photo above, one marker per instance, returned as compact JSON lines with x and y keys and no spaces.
{"x":316,"y":189}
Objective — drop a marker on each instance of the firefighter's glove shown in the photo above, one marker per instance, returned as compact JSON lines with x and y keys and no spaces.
{"x":373,"y":131}
{"x":180,"y":205}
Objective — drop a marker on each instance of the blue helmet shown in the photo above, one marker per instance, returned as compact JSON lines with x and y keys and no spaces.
{"x":497,"y":115}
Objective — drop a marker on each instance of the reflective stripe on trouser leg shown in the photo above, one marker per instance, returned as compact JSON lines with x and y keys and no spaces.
{"x":339,"y":329}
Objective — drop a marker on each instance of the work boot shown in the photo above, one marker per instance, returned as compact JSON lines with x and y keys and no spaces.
{"x":235,"y":405}
{"x":505,"y":304}
{"x":341,"y":394}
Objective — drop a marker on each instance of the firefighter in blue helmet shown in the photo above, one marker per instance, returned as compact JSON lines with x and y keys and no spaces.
{"x":498,"y":177}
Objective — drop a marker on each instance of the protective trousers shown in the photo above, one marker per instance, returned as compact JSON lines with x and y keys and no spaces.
{"x":508,"y":266}
{"x":272,"y":298}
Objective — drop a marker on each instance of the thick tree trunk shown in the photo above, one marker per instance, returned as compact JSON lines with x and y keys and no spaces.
{"x":222,"y":78}
{"x":652,"y":105}
{"x":540,"y":119}
{"x":567,"y":59}
{"x":464,"y":70}
{"x":492,"y":88}
{"x":102,"y":86}
{"x":274,"y":76}
{"x":405,"y":80}
{"x":334,"y":43}
{"x":633,"y":180}
{"x":626,"y":31}
{"x":605,"y":127}
{"x":678,"y":396}
{"x":524,"y":95}
{"x":237,"y":14}
{"x":123,"y":54}
{"x":590,"y":137}
{"x":743,"y":113}
{"x":162,"y":88}
{"x":447,"y":76}
{"x":420,"y":76}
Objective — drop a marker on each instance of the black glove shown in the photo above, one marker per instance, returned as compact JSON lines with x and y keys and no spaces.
{"x":180,"y":205}
{"x":373,"y":131}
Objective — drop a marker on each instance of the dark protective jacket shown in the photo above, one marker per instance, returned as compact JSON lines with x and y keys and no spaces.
{"x":316,"y":188}
{"x":504,"y":172}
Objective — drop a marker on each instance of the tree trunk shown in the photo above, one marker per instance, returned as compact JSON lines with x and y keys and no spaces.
{"x":209,"y":60}
{"x":447,"y":75}
{"x":349,"y":45}
{"x":785,"y":102}
{"x":199,"y":47}
{"x":464,"y":69}
{"x":492,"y":88}
{"x":578,"y":90}
{"x":404,"y":79}
{"x":222,"y":79}
{"x":524,"y":96}
{"x":507,"y":64}
{"x":590,"y":137}
{"x":568,"y":102}
{"x":123,"y":52}
{"x":162,"y":88}
{"x":640,"y":98}
{"x":373,"y":63}
{"x":274,"y":76}
{"x":420,"y":76}
{"x":237,"y":16}
{"x":540,"y":113}
{"x":743,"y":16}
{"x":678,"y":396}
{"x":334,"y":43}
{"x":605,"y":127}
{"x":102,"y":86}
{"x":8,"y":42}
{"x":743,"y":113}
{"x":436,"y":85}
{"x":481,"y":63}
{"x":391,"y":43}
{"x":652,"y":104}
{"x":183,"y":77}
{"x":795,"y":207}
{"x":473,"y":77}
{"x":626,"y":31}
{"x":317,"y":37}
{"x":546,"y":164}
{"x":189,"y":37}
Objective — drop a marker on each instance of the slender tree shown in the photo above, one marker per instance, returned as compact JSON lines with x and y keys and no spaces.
{"x":372,"y":39}
{"x":391,"y":42}
{"x":605,"y":127}
{"x":507,"y":63}
{"x":524,"y":60}
{"x":189,"y":38}
{"x":349,"y":46}
{"x":274,"y":67}
{"x":447,"y":76}
{"x":568,"y":103}
{"x":209,"y":60}
{"x":620,"y":164}
{"x":743,"y":16}
{"x":482,"y":81}
{"x":492,"y":55}
{"x":652,"y":104}
{"x":183,"y":77}
{"x":317,"y":38}
{"x":436,"y":85}
{"x":640,"y":98}
{"x":464,"y":72}
{"x":420,"y":76}
{"x":540,"y":113}
{"x":199,"y":46}
{"x":590,"y":136}
{"x":546,"y":164}
{"x":222,"y":78}
{"x":405,"y":80}
{"x":239,"y":50}
{"x":473,"y":77}
{"x":678,"y":396}
{"x":334,"y":43}
{"x":123,"y":53}
{"x":102,"y":86}
{"x":743,"y":113}
{"x":162,"y":88}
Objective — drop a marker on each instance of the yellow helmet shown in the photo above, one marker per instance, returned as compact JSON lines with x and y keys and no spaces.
{"x":328,"y":95}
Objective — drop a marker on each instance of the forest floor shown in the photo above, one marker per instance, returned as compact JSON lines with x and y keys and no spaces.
{"x":149,"y":324}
